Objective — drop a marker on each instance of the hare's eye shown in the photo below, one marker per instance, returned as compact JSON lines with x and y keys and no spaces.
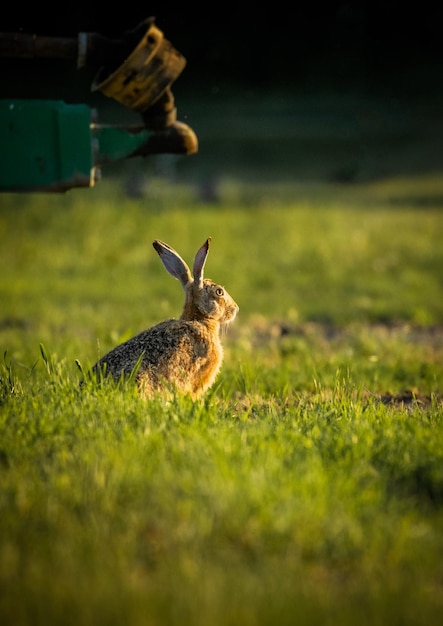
{"x":219,"y":292}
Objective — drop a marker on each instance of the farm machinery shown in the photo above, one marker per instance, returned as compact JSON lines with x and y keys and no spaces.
{"x":52,"y":145}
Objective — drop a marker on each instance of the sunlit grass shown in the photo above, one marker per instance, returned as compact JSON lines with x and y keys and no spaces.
{"x":306,"y":487}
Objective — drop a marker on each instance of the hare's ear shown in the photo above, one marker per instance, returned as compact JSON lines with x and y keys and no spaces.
{"x":173,"y":262}
{"x":199,"y":262}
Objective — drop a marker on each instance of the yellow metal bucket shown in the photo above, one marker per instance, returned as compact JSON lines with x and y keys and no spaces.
{"x":143,"y":77}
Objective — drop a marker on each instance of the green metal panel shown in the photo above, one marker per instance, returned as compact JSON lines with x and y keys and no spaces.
{"x":46,"y":145}
{"x":115,"y":143}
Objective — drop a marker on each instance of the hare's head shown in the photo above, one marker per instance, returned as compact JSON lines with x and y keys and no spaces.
{"x":204,"y":299}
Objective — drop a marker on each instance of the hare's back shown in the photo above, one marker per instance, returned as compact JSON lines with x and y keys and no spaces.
{"x":153,"y":346}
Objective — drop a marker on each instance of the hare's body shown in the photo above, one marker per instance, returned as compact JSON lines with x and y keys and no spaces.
{"x":182,"y":354}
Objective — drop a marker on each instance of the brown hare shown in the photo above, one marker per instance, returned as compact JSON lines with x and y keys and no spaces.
{"x":182,"y":355}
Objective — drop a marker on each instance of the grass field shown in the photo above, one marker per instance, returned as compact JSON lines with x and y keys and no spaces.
{"x":306,"y":488}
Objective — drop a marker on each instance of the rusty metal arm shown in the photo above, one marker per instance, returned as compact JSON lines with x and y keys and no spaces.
{"x":87,"y":49}
{"x":136,"y":70}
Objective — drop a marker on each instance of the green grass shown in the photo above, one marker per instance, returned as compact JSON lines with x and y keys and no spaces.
{"x":307,"y":486}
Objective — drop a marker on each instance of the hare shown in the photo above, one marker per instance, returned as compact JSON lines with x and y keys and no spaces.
{"x":185,"y":354}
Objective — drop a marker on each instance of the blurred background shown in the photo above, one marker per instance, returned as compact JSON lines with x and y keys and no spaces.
{"x":319,"y":127}
{"x":340,"y":91}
